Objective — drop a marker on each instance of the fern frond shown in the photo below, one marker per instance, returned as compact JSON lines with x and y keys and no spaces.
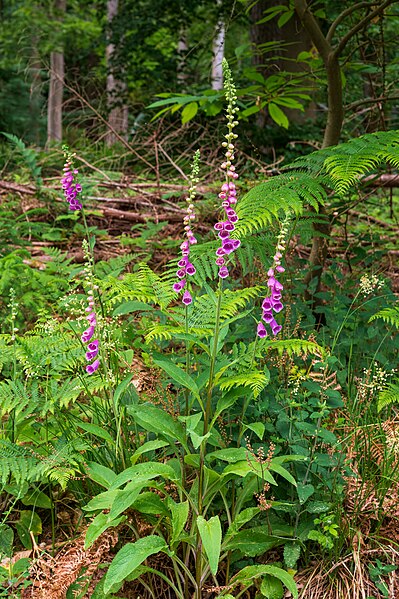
{"x":164,"y":332}
{"x":388,"y":396}
{"x":388,"y":315}
{"x":145,"y":286}
{"x":281,"y":195}
{"x":297,"y":347}
{"x":204,"y":307}
{"x":254,"y":379}
{"x":15,"y":397}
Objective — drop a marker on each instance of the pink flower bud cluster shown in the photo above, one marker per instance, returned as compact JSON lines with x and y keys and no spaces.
{"x":184,"y":264}
{"x":272,"y":302}
{"x":70,"y":187}
{"x":92,"y":347}
{"x":228,"y":193}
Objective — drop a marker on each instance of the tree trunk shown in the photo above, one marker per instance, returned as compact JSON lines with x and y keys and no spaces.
{"x":218,"y":53}
{"x":182,"y":47}
{"x":54,"y":106}
{"x":118,"y":110}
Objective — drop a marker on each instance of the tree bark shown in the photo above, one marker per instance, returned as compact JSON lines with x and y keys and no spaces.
{"x":118,"y":110}
{"x":218,"y":53}
{"x":54,"y":106}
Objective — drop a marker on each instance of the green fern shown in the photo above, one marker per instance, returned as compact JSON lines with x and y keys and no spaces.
{"x":388,"y":315}
{"x":254,"y":379}
{"x":279,"y":196}
{"x":297,"y":347}
{"x":28,"y":155}
{"x":388,"y":396}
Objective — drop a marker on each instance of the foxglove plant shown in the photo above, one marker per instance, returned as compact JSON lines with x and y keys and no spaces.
{"x":272,"y":302}
{"x":71,"y":189}
{"x":185,"y":266}
{"x":88,"y":334}
{"x":228,"y":193}
{"x":69,"y":184}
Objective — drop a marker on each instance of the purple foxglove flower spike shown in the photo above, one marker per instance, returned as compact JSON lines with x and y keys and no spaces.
{"x":68,"y":183}
{"x":228,"y":190}
{"x":272,"y":302}
{"x":185,"y":266}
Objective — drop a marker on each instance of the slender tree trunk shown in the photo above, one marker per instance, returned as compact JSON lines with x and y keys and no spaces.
{"x":35,"y":93}
{"x":218,"y":53}
{"x":330,"y":55}
{"x":54,"y":106}
{"x":118,"y":110}
{"x":182,"y":47}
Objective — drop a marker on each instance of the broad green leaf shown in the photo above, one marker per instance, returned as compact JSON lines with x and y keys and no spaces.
{"x":271,"y":587}
{"x":96,"y":430}
{"x":244,"y":468}
{"x":211,"y":536}
{"x":100,"y":523}
{"x":121,"y":388}
{"x":258,"y":428}
{"x":103,"y":501}
{"x":278,"y":115}
{"x":292,"y":552}
{"x":189,"y":112}
{"x":231,"y":455}
{"x":141,"y":473}
{"x":178,"y":375}
{"x":149,"y":446}
{"x":252,"y":572}
{"x":304,"y":492}
{"x":159,"y":422}
{"x":132,"y":306}
{"x":282,"y":472}
{"x":6,"y":540}
{"x":150,"y":503}
{"x":256,"y":541}
{"x":37,"y":498}
{"x":100,"y":474}
{"x":130,"y":557}
{"x":179,"y":518}
{"x":123,"y":501}
{"x":241,"y":519}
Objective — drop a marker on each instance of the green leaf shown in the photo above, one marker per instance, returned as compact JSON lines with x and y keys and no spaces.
{"x":103,"y":501}
{"x":149,"y":446}
{"x":304,"y":492}
{"x":96,"y":430}
{"x":37,"y":498}
{"x":211,"y":536}
{"x":132,"y":306}
{"x":6,"y":540}
{"x":255,"y":541}
{"x":241,"y":519}
{"x":141,"y":473}
{"x":278,"y":115}
{"x":271,"y":587}
{"x":252,"y":572}
{"x":150,"y":503}
{"x":130,"y":557}
{"x":158,"y":421}
{"x":258,"y":428}
{"x":231,"y":454}
{"x":178,"y":375}
{"x":244,"y":468}
{"x":121,"y":388}
{"x":189,"y":112}
{"x":179,"y":518}
{"x":100,"y":474}
{"x":292,"y":552}
{"x":124,"y":500}
{"x":285,"y":18}
{"x":100,"y":523}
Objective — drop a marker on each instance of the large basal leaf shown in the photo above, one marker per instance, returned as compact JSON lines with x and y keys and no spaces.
{"x":100,"y":523}
{"x":250,"y":573}
{"x":158,"y":421}
{"x":211,"y":536}
{"x":130,"y":557}
{"x":178,"y":375}
{"x":141,"y":473}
